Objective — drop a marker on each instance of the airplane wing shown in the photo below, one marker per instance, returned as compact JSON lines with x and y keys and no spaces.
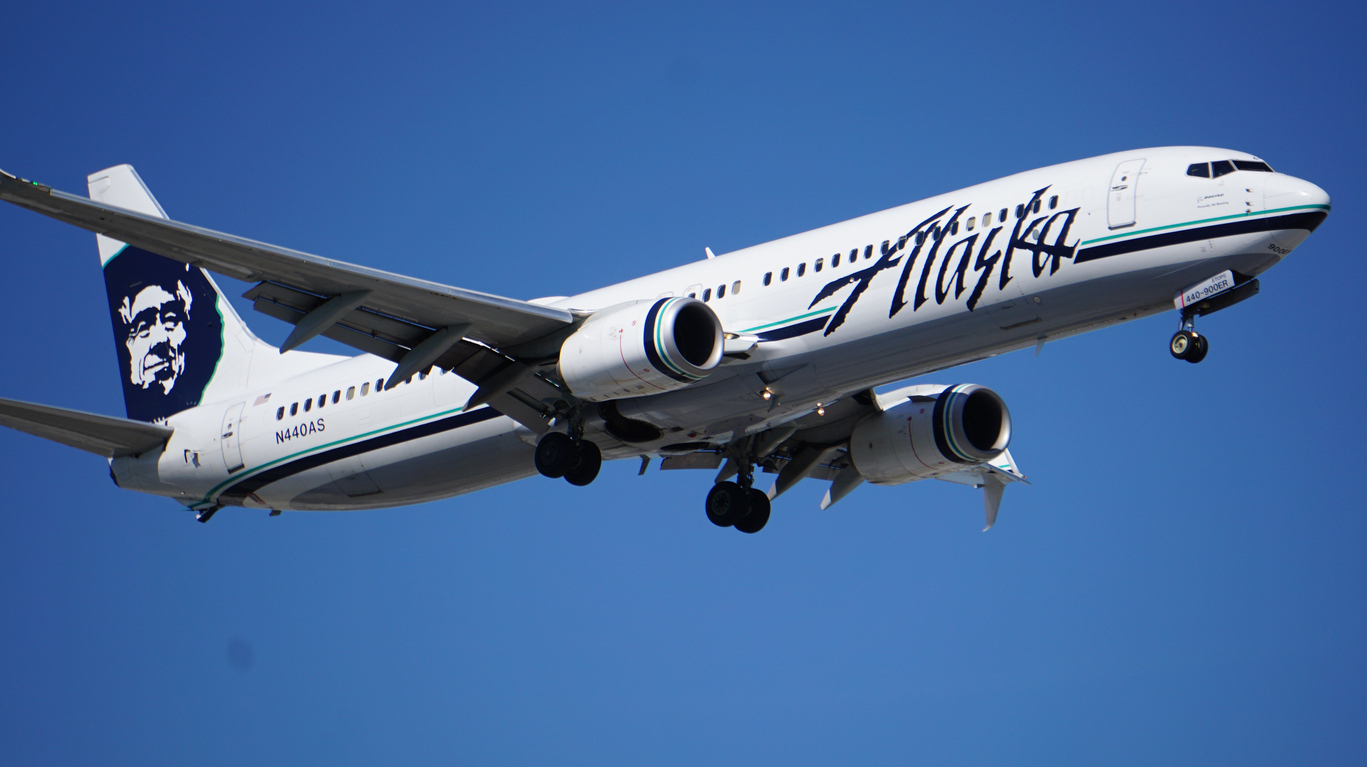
{"x":397,"y":313}
{"x":412,"y":322}
{"x":99,"y":434}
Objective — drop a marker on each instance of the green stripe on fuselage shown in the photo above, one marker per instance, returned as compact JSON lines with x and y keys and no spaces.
{"x":1259,"y":214}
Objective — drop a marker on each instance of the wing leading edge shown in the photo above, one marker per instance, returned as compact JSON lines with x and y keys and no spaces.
{"x":294,"y":279}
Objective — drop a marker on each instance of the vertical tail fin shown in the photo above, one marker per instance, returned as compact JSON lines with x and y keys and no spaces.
{"x":178,"y":338}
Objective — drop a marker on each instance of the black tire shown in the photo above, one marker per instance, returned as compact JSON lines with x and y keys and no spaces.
{"x":759,"y":513}
{"x":726,"y":503}
{"x":589,"y":459}
{"x":1199,"y":352}
{"x":1183,"y":344}
{"x":555,"y":455}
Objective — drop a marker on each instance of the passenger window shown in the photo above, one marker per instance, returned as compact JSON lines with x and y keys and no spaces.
{"x":987,"y":219}
{"x":920,"y":238}
{"x":350,"y":393}
{"x":1220,"y":168}
{"x":735,"y":287}
{"x":783,"y":275}
{"x":1002,"y":216}
{"x":954,"y":228}
{"x":971,"y":220}
{"x":802,"y":268}
{"x":280,"y":413}
{"x":819,"y":263}
{"x":308,"y":404}
{"x":768,"y":278}
{"x":721,"y":291}
{"x":886,"y":245}
{"x":322,"y":400}
{"x":835,"y":260}
{"x":337,"y":396}
{"x":854,"y":255}
{"x":1020,"y":211}
{"x":936,"y":233}
{"x":868,"y":252}
{"x":1262,"y":167}
{"x":707,"y":295}
{"x":1199,"y":169}
{"x":365,"y":388}
{"x":901,"y":242}
{"x":1053,"y":202}
{"x":294,"y":408}
{"x":379,"y":385}
{"x":1036,"y":208}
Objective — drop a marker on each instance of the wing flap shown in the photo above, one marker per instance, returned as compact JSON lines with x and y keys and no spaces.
{"x":99,"y":434}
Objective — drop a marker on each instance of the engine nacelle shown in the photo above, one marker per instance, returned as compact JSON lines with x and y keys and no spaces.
{"x":641,"y":348}
{"x":935,"y":430}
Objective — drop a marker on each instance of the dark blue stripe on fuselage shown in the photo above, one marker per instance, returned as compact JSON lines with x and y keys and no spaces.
{"x":236,"y":494}
{"x":1307,"y":221}
{"x":793,"y":331}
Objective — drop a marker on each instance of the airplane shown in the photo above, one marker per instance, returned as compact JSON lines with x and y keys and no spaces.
{"x":764,"y":360}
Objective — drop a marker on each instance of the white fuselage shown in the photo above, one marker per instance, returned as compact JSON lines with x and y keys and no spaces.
{"x":835,"y":310}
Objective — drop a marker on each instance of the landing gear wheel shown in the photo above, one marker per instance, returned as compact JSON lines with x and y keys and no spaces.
{"x":759,"y":513}
{"x":1183,"y":344}
{"x":555,"y":455}
{"x":726,"y":503}
{"x":1199,"y":353}
{"x":588,"y":460}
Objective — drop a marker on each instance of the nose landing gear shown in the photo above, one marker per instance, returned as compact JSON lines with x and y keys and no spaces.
{"x":1188,"y":345}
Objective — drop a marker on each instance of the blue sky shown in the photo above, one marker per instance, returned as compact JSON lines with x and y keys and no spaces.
{"x":1183,"y":583}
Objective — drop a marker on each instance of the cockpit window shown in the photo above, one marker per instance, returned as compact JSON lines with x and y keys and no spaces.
{"x":1201,"y":169}
{"x":1221,"y":167}
{"x":1252,"y":165}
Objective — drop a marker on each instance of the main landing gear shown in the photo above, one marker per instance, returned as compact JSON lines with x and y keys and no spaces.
{"x":737,"y":504}
{"x":560,"y":455}
{"x":1187,"y":344}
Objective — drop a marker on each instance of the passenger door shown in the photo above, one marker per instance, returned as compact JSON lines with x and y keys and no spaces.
{"x":1120,"y":198}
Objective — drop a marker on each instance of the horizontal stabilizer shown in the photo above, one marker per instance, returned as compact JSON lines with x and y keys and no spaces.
{"x":99,"y":434}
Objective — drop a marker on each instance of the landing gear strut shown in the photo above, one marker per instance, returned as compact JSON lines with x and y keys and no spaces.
{"x":1187,"y":344}
{"x":738,"y":504}
{"x":569,"y":455}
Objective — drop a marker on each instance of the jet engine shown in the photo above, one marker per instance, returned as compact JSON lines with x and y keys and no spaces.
{"x":641,"y":348}
{"x":936,"y":430}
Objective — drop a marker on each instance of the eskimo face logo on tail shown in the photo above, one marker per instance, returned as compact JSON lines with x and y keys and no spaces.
{"x":155,"y":321}
{"x":167,"y":331}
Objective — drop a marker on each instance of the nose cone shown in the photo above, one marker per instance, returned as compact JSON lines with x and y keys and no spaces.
{"x":1301,"y":207}
{"x":1282,"y":191}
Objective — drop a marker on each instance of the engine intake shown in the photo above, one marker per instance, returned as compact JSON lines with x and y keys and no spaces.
{"x":936,"y":430}
{"x":641,"y":348}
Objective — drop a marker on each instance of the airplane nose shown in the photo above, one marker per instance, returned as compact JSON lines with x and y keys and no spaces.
{"x":1282,"y":191}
